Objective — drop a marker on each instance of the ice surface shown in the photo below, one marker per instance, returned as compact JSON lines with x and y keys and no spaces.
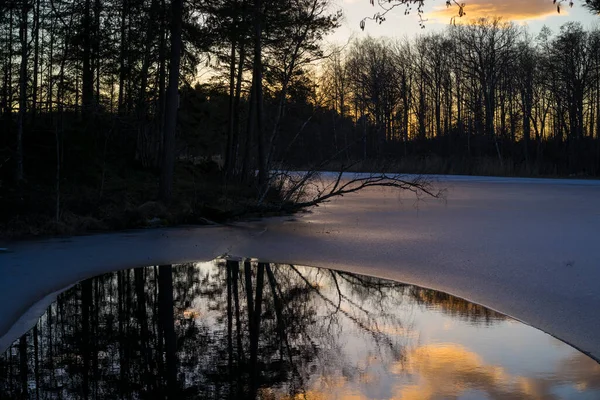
{"x":528,"y":248}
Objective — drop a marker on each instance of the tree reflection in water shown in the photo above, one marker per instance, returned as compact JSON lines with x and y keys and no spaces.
{"x":222,"y":330}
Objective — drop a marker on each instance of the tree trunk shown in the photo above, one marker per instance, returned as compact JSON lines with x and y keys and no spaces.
{"x":23,"y":367}
{"x":167,"y":321}
{"x":146,"y":135}
{"x":36,"y":360}
{"x":236,"y":108}
{"x":36,"y":58}
{"x":236,"y":300}
{"x":122,"y":56}
{"x":97,"y":39}
{"x":50,"y":85}
{"x":87,"y":84}
{"x":255,"y":323}
{"x":526,"y":124}
{"x":142,"y":318}
{"x":22,"y":89}
{"x":229,"y":269}
{"x":258,"y":94}
{"x":247,"y":166}
{"x":130,"y":63}
{"x":172,"y":104}
{"x":7,"y":92}
{"x":229,"y":149}
{"x":86,"y":335}
{"x":160,"y":114}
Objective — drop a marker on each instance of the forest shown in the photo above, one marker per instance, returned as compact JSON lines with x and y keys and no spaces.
{"x":116,"y":113}
{"x":482,"y":98}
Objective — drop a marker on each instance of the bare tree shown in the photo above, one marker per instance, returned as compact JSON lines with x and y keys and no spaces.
{"x":485,"y":54}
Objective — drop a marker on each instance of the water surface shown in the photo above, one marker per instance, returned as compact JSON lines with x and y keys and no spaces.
{"x":229,"y":330}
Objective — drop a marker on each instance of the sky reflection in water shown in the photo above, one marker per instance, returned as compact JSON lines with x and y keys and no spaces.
{"x":234,"y":330}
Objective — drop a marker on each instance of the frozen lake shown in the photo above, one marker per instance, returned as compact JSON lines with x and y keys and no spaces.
{"x":525,"y":247}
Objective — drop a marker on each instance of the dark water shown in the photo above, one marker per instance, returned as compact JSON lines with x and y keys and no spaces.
{"x":228,"y":330}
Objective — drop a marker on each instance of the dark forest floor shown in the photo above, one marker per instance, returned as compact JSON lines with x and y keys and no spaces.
{"x":125,"y":198}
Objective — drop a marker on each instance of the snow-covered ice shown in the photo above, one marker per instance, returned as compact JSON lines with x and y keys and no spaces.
{"x":528,"y":248}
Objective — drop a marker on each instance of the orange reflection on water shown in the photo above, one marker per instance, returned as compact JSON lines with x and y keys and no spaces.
{"x":447,"y":370}
{"x":450,"y":371}
{"x":324,"y":388}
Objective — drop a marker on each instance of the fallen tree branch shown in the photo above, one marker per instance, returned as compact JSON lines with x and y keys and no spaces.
{"x":418,"y":185}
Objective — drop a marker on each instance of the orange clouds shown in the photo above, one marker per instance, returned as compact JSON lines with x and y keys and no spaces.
{"x":509,"y":10}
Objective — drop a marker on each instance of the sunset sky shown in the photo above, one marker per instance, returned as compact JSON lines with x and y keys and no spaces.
{"x":534,"y":13}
